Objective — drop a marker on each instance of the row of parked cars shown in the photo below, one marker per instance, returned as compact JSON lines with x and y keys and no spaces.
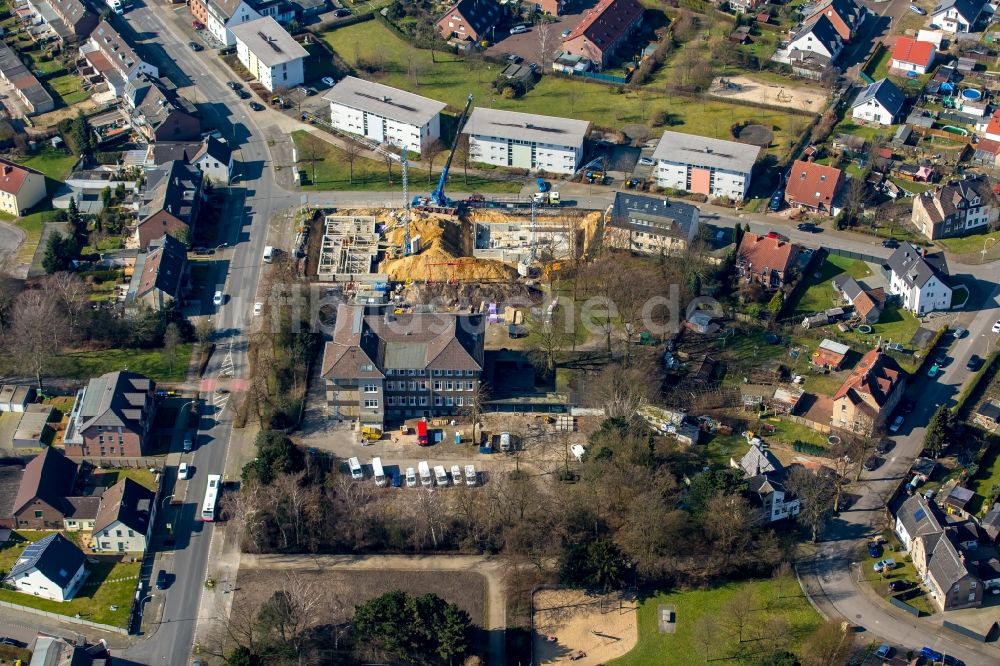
{"x":422,"y":475}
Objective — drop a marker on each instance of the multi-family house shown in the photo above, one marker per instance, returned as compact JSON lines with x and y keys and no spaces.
{"x":24,"y":84}
{"x":125,"y":518}
{"x":919,"y":278}
{"x":171,"y":199}
{"x":69,"y":21}
{"x":912,"y":55}
{"x":650,"y":225}
{"x":765,"y":483}
{"x":21,"y":187}
{"x":958,"y":16}
{"x":526,"y":140}
{"x":115,"y":59}
{"x":112,"y":416}
{"x":381,"y":367}
{"x":220,"y":16}
{"x":212,"y":156}
{"x":158,"y":113}
{"x":819,"y":37}
{"x":470,"y":20}
{"x":713,"y":167}
{"x":41,"y":501}
{"x":814,"y":187}
{"x":51,"y":568}
{"x":955,"y":209}
{"x":270,"y":54}
{"x":766,"y":260}
{"x":384,"y":115}
{"x":869,"y":394}
{"x":604,"y":30}
{"x":158,"y":277}
{"x":881,"y":103}
{"x":846,"y":16}
{"x":552,"y":7}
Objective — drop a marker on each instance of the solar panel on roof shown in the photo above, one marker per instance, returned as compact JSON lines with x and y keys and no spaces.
{"x":920,"y":514}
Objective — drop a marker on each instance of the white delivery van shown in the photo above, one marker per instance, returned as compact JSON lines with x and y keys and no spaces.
{"x":355,"y":466}
{"x":425,"y":474}
{"x":470,"y":475}
{"x":456,"y":475}
{"x":268,"y":254}
{"x":441,"y":475}
{"x":378,"y":472}
{"x":505,"y":441}
{"x":411,"y":478}
{"x":117,"y":6}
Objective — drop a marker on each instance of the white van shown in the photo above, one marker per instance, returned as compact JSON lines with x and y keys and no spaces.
{"x":505,"y":441}
{"x":411,"y":478}
{"x":456,"y":475}
{"x":425,"y":474}
{"x":440,"y":475}
{"x":117,"y":6}
{"x":355,"y":466}
{"x":470,"y":475}
{"x":378,"y":472}
{"x":268,"y":254}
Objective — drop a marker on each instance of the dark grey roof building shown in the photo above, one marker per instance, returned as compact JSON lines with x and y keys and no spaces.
{"x":52,"y":567}
{"x":650,"y":225}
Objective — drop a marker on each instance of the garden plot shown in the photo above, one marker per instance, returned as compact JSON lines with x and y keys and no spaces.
{"x":749,"y":90}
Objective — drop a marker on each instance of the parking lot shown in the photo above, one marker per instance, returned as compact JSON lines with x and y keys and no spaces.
{"x":528,"y":44}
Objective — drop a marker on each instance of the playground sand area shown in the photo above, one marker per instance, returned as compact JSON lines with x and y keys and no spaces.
{"x":759,"y":92}
{"x":580,"y":623}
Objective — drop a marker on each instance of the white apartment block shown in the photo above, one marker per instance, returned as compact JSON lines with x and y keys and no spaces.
{"x":270,"y":54}
{"x":712,"y":167}
{"x":385,"y":115}
{"x":526,"y":140}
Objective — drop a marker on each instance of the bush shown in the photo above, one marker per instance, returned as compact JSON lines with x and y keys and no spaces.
{"x":806,"y":447}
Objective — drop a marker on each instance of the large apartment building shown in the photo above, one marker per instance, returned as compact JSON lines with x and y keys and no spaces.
{"x":712,"y":167}
{"x":384,"y":114}
{"x":382,"y":368}
{"x":112,"y":416}
{"x":270,"y":54}
{"x":526,"y":140}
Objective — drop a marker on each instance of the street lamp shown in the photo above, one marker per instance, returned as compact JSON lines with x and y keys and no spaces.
{"x":982,"y":257}
{"x":163,"y":502}
{"x":142,"y":603}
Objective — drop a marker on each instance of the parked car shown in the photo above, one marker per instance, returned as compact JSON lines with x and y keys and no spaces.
{"x":218,"y":298}
{"x":256,"y":106}
{"x":888,"y":564}
{"x":934,"y":371}
{"x":161,"y":580}
{"x":909,"y":405}
{"x":890,"y":243}
{"x":518,"y":29}
{"x":974,"y":363}
{"x":884,"y":446}
{"x":918,"y":10}
{"x":197,"y":25}
{"x":941,"y":360}
{"x":188,"y":442}
{"x":341,"y":13}
{"x":233,"y":85}
{"x":183,"y":471}
{"x":566,"y":33}
{"x":900,"y":585}
{"x":411,"y":478}
{"x":883,"y":651}
{"x":195,"y":46}
{"x":243,"y":94}
{"x":809,"y":227}
{"x":959,"y":332}
{"x":647,"y":161}
{"x":897,"y":423}
{"x":996,"y":327}
{"x":777,"y":199}
{"x":13,"y":642}
{"x":328,"y":81}
{"x":874,"y":549}
{"x":258,"y":308}
{"x":514,"y":58}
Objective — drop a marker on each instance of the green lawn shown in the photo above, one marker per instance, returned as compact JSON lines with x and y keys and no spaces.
{"x":904,"y":571}
{"x":99,"y":593}
{"x":692,"y":607}
{"x":983,"y":482}
{"x":973,"y":243}
{"x":109,"y":477}
{"x":32,"y":225}
{"x":451,"y":78}
{"x":68,"y":88}
{"x":54,"y":163}
{"x":330,"y":171}
{"x":820,"y":295}
{"x":150,"y":362}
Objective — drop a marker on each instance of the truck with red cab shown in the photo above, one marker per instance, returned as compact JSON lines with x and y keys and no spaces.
{"x":422,"y":433}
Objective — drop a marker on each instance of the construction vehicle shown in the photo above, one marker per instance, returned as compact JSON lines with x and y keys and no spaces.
{"x":422,"y":439}
{"x":542,"y":185}
{"x":370,"y":433}
{"x":438,"y":202}
{"x":548,"y":198}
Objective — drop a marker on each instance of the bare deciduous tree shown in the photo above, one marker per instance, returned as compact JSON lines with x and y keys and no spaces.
{"x":738,"y":613}
{"x":828,"y":646}
{"x":706,"y":635}
{"x":36,"y":333}
{"x":623,"y":390}
{"x":10,"y":288}
{"x":431,"y":153}
{"x":352,"y":151}
{"x":72,"y":295}
{"x":546,"y":44}
{"x":816,"y":493}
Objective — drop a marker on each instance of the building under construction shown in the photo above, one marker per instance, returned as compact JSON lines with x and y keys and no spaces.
{"x":349,"y":249}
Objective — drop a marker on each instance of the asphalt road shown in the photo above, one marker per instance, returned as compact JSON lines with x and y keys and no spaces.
{"x":243,"y":225}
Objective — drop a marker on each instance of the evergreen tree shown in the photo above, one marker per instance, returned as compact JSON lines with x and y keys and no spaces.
{"x":938,"y":430}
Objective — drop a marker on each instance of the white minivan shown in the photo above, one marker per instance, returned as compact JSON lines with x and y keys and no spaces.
{"x":411,"y":478}
{"x":217,"y":298}
{"x":426,"y":480}
{"x":470,"y":475}
{"x":441,"y":475}
{"x":268,"y":254}
{"x":355,"y":466}
{"x":456,"y":475}
{"x":378,"y":472}
{"x":117,"y":6}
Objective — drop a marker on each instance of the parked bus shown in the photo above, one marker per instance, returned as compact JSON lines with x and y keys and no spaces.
{"x":211,"y":497}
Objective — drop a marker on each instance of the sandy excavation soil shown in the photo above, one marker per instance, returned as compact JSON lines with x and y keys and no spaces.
{"x":575,"y":620}
{"x":746,"y":88}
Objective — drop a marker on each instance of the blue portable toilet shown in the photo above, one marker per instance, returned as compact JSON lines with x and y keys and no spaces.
{"x":458,"y":437}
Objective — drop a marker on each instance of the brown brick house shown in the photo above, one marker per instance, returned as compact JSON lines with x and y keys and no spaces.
{"x":469,"y":20}
{"x":766,"y":260}
{"x":814,"y":187}
{"x":41,"y":502}
{"x":170,"y":202}
{"x":604,"y":30}
{"x":112,"y":416}
{"x":869,"y":394}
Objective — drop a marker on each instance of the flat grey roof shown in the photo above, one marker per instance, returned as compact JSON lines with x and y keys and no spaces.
{"x":704,"y":152}
{"x":527,"y":127}
{"x":267,"y":40}
{"x":385,"y":101}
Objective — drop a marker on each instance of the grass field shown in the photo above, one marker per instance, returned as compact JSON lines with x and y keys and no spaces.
{"x":973,"y":243}
{"x":109,"y":477}
{"x":53,"y":163}
{"x":150,"y":362}
{"x":820,"y":295}
{"x":451,"y":79}
{"x":331,"y":171}
{"x":693,"y":607}
{"x":32,"y":225}
{"x":68,"y":88}
{"x":110,"y":584}
{"x":983,"y":482}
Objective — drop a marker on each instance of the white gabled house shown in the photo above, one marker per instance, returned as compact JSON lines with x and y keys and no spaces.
{"x":223,"y":15}
{"x":919,"y":278}
{"x":764,"y":485}
{"x":51,"y":568}
{"x":270,"y":54}
{"x":820,"y":38}
{"x":881,"y":103}
{"x":124,"y":518}
{"x":958,"y":16}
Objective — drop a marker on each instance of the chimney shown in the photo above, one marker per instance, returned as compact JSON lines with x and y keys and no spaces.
{"x":7,"y":169}
{"x":923,"y":252}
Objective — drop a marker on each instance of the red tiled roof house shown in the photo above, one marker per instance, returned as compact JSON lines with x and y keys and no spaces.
{"x":910,"y":55}
{"x":603,"y":30}
{"x":869,"y":394}
{"x":765,"y":260}
{"x":814,"y":187}
{"x":20,"y":188}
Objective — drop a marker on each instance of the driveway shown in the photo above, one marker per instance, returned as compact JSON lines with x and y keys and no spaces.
{"x":527,"y":44}
{"x":11,"y":238}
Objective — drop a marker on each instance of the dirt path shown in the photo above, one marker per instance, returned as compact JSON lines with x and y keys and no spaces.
{"x":496,"y":596}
